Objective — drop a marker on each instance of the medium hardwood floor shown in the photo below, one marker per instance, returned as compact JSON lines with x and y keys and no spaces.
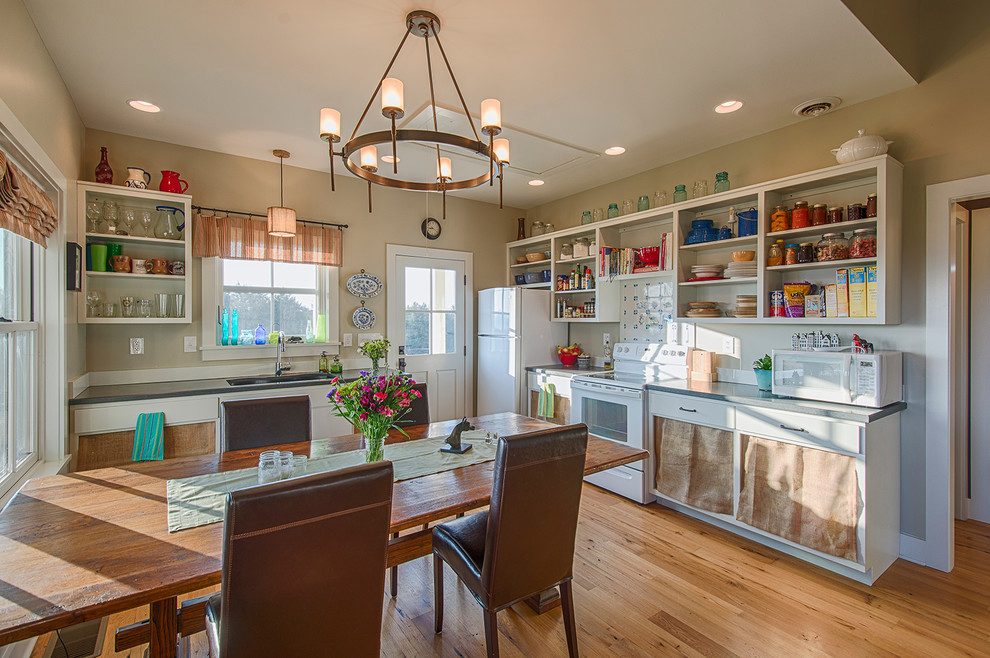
{"x":652,"y":582}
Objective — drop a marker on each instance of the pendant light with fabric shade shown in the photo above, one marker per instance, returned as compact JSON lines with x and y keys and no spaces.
{"x":281,"y":220}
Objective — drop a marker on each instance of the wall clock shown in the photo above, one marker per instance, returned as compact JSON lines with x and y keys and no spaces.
{"x":431,"y":228}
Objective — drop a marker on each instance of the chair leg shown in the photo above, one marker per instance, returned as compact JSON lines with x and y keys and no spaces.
{"x":437,"y":594}
{"x":394,"y":575}
{"x":491,"y":633}
{"x":570,"y":626}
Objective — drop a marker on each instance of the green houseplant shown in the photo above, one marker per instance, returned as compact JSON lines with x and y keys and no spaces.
{"x":374,"y":405}
{"x":763,"y":368}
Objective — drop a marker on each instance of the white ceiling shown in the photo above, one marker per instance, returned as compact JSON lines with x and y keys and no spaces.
{"x":574,"y":77}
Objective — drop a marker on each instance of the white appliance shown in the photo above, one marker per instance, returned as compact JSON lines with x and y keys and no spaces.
{"x":614,"y":407}
{"x":514,"y":331}
{"x":866,"y":380}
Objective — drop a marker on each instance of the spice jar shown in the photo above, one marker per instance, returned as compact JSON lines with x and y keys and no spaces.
{"x":863,"y":244}
{"x":819,"y":214}
{"x":778,"y":220}
{"x":791,"y":254}
{"x":775,"y":255}
{"x":566,"y":251}
{"x":835,"y":214}
{"x":871,"y":205}
{"x":806,"y":252}
{"x":799,"y":216}
{"x":832,"y":246}
{"x":580,"y":247}
{"x":855,"y":211}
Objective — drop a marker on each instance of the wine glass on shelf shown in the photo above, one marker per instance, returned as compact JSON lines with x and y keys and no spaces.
{"x":110,"y":217}
{"x":93,"y":298}
{"x":129,"y":217}
{"x":147,"y":219}
{"x":93,"y":212}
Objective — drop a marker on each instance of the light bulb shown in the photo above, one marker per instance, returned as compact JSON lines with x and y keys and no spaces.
{"x":330,"y":124}
{"x":501,"y":147}
{"x":369,"y":158}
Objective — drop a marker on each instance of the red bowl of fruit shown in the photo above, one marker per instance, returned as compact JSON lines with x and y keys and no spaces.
{"x":649,"y":255}
{"x":568,"y":355}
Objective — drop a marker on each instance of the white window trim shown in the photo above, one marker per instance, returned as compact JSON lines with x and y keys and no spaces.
{"x":213,"y":297}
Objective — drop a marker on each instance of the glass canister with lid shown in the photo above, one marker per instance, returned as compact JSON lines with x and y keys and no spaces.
{"x":800,"y":217}
{"x":864,"y":243}
{"x":806,"y":252}
{"x":779,"y":220}
{"x":581,"y":247}
{"x":775,"y":255}
{"x":586,"y":217}
{"x":566,"y":251}
{"x":791,"y":254}
{"x":832,"y":246}
{"x":536,"y":228}
{"x":819,"y":214}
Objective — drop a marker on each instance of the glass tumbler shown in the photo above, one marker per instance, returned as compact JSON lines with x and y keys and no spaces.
{"x":269,"y":468}
{"x":285,"y":463}
{"x":127,"y":307}
{"x":144,"y":308}
{"x":177,"y":305}
{"x":161,"y":303}
{"x":298,"y":465}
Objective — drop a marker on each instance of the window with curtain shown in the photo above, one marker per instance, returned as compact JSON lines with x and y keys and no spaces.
{"x":20,"y":279}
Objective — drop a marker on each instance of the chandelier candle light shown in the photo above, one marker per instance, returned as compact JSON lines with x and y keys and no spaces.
{"x":281,"y":220}
{"x":425,"y":25}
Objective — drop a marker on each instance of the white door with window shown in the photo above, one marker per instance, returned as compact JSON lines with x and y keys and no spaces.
{"x":430,"y":322}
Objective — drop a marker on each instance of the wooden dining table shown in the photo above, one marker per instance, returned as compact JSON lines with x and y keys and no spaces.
{"x":84,"y":545}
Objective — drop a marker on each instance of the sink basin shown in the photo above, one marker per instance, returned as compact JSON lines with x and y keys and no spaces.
{"x":281,"y":379}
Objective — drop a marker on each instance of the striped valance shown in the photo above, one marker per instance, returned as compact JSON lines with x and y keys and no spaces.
{"x":247,"y":239}
{"x":24,"y":208}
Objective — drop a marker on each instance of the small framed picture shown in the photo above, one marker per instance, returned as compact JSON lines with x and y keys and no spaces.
{"x":73,"y":266}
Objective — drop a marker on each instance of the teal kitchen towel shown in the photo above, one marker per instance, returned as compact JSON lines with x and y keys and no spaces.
{"x":545,"y":401}
{"x":149,"y":440}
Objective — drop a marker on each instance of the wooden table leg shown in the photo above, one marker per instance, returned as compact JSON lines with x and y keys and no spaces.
{"x":548,"y":599}
{"x":164,"y":628}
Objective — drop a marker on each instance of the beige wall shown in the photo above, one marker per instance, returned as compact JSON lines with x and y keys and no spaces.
{"x":33,"y":90}
{"x":223,"y":181}
{"x":940,"y":132}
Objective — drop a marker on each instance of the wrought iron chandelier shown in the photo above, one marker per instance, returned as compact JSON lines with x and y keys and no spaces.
{"x":425,"y":25}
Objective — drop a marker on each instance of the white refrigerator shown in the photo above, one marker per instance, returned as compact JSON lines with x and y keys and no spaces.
{"x":514,"y":331}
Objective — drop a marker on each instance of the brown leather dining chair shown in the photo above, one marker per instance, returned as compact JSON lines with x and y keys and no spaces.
{"x":524,"y":543}
{"x":304,"y":566}
{"x":419,"y":414}
{"x":261,"y":422}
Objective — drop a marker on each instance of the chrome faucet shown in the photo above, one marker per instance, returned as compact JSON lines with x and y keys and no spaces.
{"x":279,"y":348}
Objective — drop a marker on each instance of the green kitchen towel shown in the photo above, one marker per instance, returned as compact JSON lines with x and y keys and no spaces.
{"x":544,"y":400}
{"x":149,"y":440}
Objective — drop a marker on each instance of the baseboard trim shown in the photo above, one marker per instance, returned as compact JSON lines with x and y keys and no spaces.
{"x":912,"y":549}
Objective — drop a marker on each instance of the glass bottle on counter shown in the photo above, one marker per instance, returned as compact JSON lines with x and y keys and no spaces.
{"x":607,"y":358}
{"x":336,"y":367}
{"x":324,"y":362}
{"x":680,"y":193}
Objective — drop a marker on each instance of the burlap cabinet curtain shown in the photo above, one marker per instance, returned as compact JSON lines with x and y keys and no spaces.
{"x":248,"y":239}
{"x":24,"y":208}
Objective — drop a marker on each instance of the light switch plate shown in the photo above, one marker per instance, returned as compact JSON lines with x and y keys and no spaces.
{"x":188,"y":343}
{"x":137,"y":346}
{"x":348,"y":340}
{"x":728,"y":345}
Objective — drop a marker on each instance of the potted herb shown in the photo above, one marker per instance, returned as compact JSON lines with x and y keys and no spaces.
{"x":764,"y":376}
{"x":376,"y":350}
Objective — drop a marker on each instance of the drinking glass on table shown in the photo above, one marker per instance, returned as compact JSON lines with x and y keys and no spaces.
{"x":299,"y":465}
{"x":285,"y":462}
{"x":269,"y":468}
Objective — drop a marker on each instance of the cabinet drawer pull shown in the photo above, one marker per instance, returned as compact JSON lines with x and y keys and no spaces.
{"x":793,"y":429}
{"x":690,"y":411}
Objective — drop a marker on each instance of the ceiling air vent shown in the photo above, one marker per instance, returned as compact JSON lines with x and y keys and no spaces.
{"x":817,"y":106}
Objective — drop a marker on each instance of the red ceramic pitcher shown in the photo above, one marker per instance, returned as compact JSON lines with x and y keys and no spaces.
{"x":172,"y":183}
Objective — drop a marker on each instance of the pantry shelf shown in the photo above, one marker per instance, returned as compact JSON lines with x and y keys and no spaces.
{"x":825,"y":264}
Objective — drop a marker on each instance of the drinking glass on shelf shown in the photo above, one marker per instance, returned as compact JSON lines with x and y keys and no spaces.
{"x":129,"y":217}
{"x":176,"y":306}
{"x":109,"y":310}
{"x":109,"y":217}
{"x":299,"y":465}
{"x":93,"y":211}
{"x":144,"y":308}
{"x":161,"y":303}
{"x":146,"y":219}
{"x":93,"y":298}
{"x":127,"y":306}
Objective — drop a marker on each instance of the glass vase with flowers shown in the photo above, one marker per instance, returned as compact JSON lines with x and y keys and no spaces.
{"x":376,"y":350}
{"x":373,"y":404}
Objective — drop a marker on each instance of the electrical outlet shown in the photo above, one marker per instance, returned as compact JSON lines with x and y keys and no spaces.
{"x":137,"y":346}
{"x":348,"y":340}
{"x":728,"y":345}
{"x":188,"y":343}
{"x":606,"y":338}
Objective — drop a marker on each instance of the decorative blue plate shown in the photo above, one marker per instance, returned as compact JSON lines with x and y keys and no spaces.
{"x":364,"y":285}
{"x":363,"y":318}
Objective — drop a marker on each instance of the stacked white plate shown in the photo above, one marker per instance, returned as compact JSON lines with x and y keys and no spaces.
{"x":706,"y":271}
{"x":745,"y":306}
{"x":741,"y":269}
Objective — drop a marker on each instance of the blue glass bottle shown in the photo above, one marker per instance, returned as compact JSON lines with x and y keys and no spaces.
{"x":226,"y":327}
{"x":234,"y":333}
{"x":259,"y":336}
{"x":680,"y":193}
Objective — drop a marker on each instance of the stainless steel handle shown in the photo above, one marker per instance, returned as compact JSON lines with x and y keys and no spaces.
{"x":793,"y":429}
{"x":690,"y":411}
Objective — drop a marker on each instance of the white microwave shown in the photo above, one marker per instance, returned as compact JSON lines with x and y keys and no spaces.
{"x":866,"y":380}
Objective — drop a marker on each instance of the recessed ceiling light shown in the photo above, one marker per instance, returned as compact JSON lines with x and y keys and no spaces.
{"x":144,"y":106}
{"x":390,"y":159}
{"x":615,"y":150}
{"x":728,"y":106}
{"x":536,"y":182}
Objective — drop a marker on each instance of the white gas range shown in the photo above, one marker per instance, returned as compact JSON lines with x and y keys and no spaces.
{"x":613,"y":406}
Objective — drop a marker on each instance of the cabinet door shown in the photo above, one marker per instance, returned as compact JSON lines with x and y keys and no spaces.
{"x":694,"y":464}
{"x":808,"y":496}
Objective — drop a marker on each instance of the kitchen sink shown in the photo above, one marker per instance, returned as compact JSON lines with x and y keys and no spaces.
{"x":280,"y":379}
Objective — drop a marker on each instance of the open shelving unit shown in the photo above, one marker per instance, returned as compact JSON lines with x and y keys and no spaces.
{"x":839,"y":185}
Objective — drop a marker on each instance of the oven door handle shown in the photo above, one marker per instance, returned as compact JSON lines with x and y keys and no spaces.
{"x":598,"y":390}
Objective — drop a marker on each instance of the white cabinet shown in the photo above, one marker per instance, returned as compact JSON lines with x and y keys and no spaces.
{"x":822,"y":489}
{"x":137,"y":242}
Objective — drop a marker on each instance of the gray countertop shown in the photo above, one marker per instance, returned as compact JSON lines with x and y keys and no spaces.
{"x":750,"y":395}
{"x":564,"y":371}
{"x":128,"y":392}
